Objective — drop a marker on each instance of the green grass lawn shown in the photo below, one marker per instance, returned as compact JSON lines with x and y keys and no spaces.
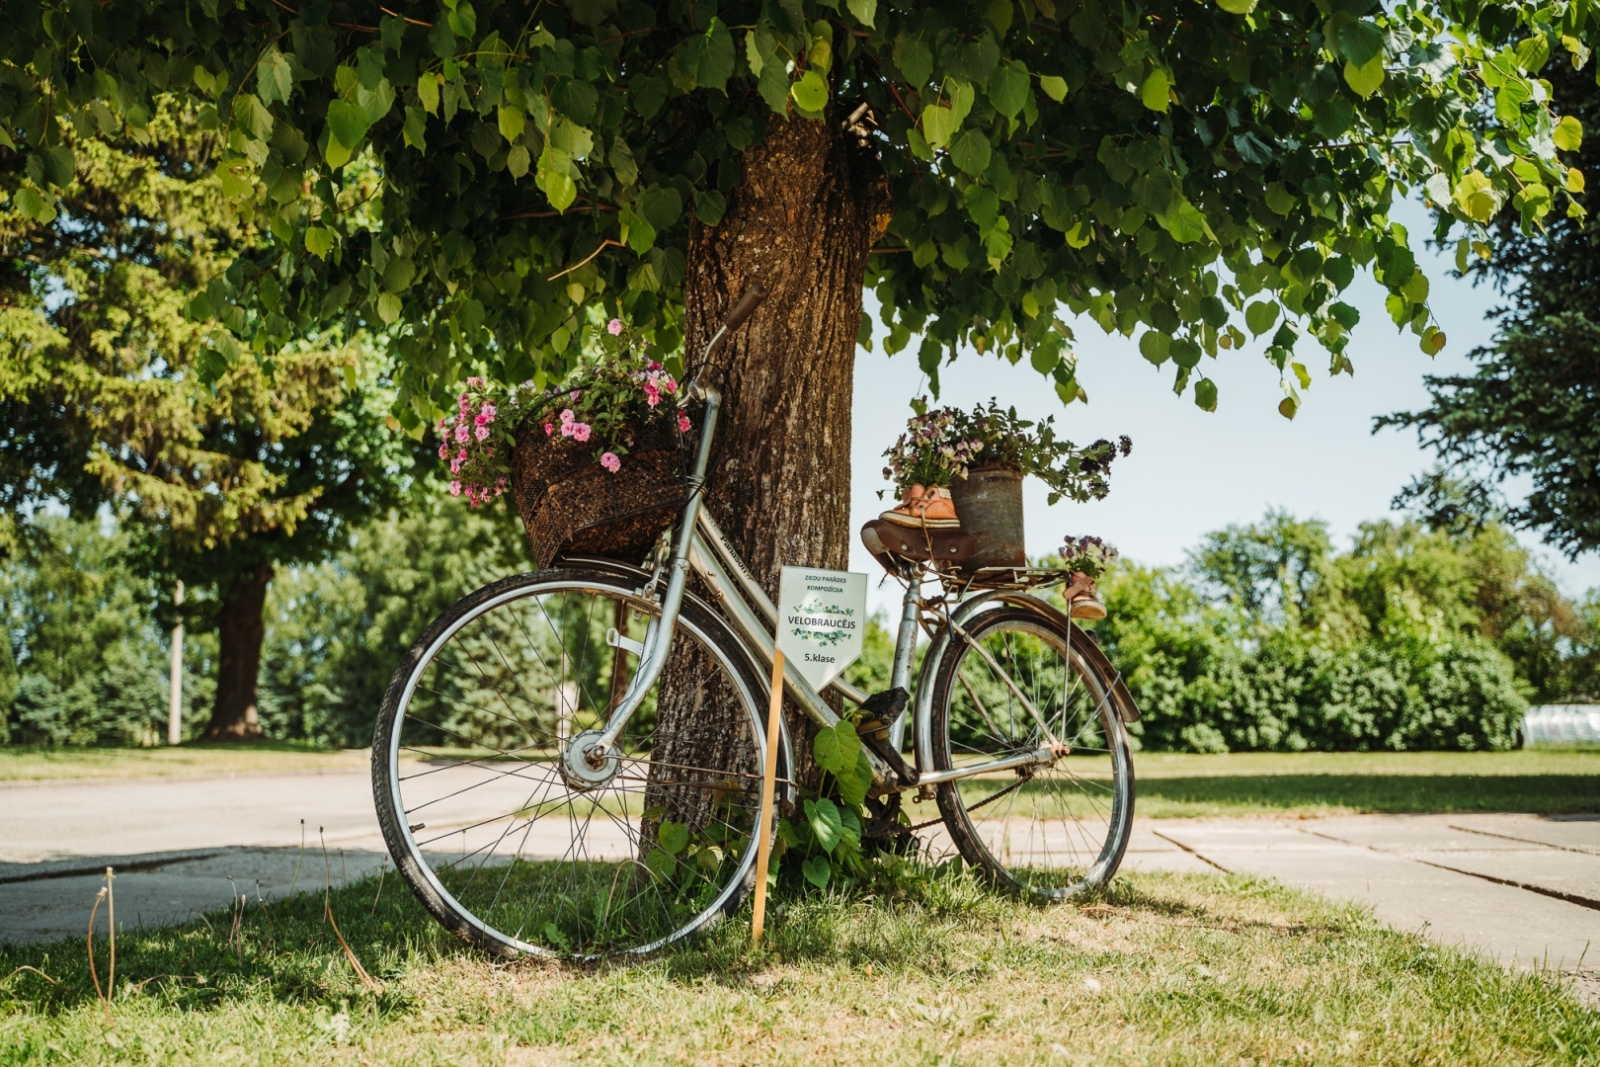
{"x":1166,"y":969}
{"x":28,"y":763}
{"x":1172,"y":785}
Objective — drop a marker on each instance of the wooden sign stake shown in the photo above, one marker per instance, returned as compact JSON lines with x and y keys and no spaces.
{"x":769,"y":781}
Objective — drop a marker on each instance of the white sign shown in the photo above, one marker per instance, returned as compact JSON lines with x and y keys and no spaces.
{"x":822,"y":621}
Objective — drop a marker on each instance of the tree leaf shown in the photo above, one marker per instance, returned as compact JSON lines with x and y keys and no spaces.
{"x":1364,"y":79}
{"x":1008,"y":88}
{"x":1237,"y":7}
{"x":347,"y":123}
{"x":865,"y":11}
{"x":320,"y":241}
{"x":512,"y":121}
{"x":1156,"y":90}
{"x":810,"y":91}
{"x":1279,"y":199}
{"x":915,"y":61}
{"x":1154,"y":346}
{"x":1183,"y":221}
{"x":1054,"y":87}
{"x":1205,"y":394}
{"x":823,"y":817}
{"x":1260,"y":316}
{"x":853,"y":787}
{"x":659,"y":205}
{"x":938,"y":123}
{"x":817,"y":870}
{"x":428,"y":92}
{"x":274,"y":79}
{"x":709,"y":58}
{"x":1360,"y":42}
{"x":1568,"y":134}
{"x":970,"y":150}
{"x":555,"y":179}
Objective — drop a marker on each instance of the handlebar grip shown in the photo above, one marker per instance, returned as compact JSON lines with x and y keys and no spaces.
{"x":745,"y":307}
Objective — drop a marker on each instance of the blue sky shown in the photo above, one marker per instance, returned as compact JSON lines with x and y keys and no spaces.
{"x":1193,"y":471}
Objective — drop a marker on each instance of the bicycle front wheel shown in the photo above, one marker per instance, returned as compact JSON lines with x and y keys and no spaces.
{"x":1051,"y":831}
{"x":497,"y":822}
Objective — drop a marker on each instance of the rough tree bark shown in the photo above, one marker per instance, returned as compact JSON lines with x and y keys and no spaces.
{"x":802,"y":222}
{"x":240,"y":631}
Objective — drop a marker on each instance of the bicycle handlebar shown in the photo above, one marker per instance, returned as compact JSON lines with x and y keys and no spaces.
{"x":745,"y":307}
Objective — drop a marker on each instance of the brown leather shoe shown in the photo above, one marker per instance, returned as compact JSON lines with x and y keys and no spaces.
{"x":924,"y":509}
{"x":1086,"y":602}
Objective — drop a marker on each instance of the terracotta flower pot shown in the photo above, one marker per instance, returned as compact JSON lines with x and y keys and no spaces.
{"x":989,"y":504}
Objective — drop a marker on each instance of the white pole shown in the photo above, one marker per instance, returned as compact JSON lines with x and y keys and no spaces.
{"x":175,"y":705}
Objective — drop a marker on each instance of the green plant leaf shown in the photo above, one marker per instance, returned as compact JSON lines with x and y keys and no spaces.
{"x":672,"y":836}
{"x":1237,"y":7}
{"x":865,"y":11}
{"x":1156,"y":90}
{"x":347,"y":122}
{"x":320,"y":241}
{"x":854,"y":785}
{"x":1364,"y":79}
{"x":662,"y":864}
{"x":274,"y":79}
{"x":1154,"y":346}
{"x":1054,"y":87}
{"x":1205,"y":394}
{"x":709,"y":57}
{"x":810,"y":91}
{"x":1260,"y":316}
{"x":823,"y":817}
{"x":970,"y":150}
{"x":1568,"y":134}
{"x":1183,"y":221}
{"x":914,"y":59}
{"x":1008,"y":88}
{"x":555,"y":179}
{"x":1360,"y":42}
{"x":835,"y":747}
{"x":817,"y":871}
{"x":1279,"y":199}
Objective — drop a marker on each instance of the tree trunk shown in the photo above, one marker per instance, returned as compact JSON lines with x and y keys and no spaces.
{"x":240,"y":631}
{"x":802,"y":222}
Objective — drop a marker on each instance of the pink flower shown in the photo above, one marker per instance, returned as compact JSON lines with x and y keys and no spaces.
{"x":580,"y":432}
{"x":652,"y":394}
{"x":455,"y":488}
{"x":461,"y":433}
{"x":610,"y":462}
{"x":486,"y":412}
{"x":444,"y":450}
{"x":482,"y":433}
{"x":683,"y":423}
{"x":671,"y":386}
{"x":549,"y":429}
{"x":455,"y":466}
{"x":654,"y":366}
{"x":614,"y":327}
{"x":574,"y":395}
{"x":462,"y":455}
{"x":566,"y":429}
{"x":567,"y":416}
{"x":475,"y":383}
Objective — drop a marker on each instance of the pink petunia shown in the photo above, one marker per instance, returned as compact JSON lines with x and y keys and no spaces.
{"x":683,"y":423}
{"x":462,"y":431}
{"x":614,"y":327}
{"x":567,"y":416}
{"x":566,"y":429}
{"x":455,"y":488}
{"x":652,"y":394}
{"x":549,"y":429}
{"x":444,"y":450}
{"x":581,"y":431}
{"x":610,"y":462}
{"x":486,"y":411}
{"x":482,"y":433}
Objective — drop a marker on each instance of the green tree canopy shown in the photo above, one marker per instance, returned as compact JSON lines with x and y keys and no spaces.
{"x":1532,"y":406}
{"x":1183,"y":169}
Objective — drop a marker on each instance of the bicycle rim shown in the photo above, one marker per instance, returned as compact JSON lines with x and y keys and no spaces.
{"x":1052,"y":831}
{"x":514,"y":846}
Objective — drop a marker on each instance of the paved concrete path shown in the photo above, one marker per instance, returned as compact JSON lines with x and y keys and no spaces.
{"x":1522,"y":888}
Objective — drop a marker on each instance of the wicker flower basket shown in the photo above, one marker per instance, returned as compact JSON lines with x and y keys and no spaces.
{"x":569,"y":504}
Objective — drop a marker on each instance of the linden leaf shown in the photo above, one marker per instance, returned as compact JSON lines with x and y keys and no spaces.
{"x":816,"y":870}
{"x":914,"y":59}
{"x":864,"y":11}
{"x":1156,"y":91}
{"x":1366,"y":78}
{"x":1574,"y":180}
{"x":320,"y":241}
{"x":1055,"y":88}
{"x":1205,"y":394}
{"x":672,"y":836}
{"x":970,"y":150}
{"x":1260,"y":316}
{"x":1568,"y":134}
{"x":823,"y":815}
{"x":810,"y":92}
{"x":938,"y":123}
{"x":1237,"y":7}
{"x":835,"y":748}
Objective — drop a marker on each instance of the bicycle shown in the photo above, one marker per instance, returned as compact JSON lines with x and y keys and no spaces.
{"x":541,"y":792}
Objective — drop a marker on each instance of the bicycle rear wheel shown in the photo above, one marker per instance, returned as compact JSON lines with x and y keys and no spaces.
{"x":501,"y":828}
{"x":1050,"y":831}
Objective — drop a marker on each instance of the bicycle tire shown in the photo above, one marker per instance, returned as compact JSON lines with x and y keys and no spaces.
{"x":1077,"y":856}
{"x":416,"y":865}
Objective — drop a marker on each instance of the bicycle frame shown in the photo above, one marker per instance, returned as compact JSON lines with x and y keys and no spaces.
{"x":699,"y":545}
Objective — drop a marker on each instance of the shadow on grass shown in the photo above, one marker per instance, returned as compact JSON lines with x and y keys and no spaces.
{"x":284,"y":949}
{"x":1534,"y":793}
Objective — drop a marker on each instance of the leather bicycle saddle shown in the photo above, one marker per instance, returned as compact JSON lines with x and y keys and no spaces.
{"x":885,"y":541}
